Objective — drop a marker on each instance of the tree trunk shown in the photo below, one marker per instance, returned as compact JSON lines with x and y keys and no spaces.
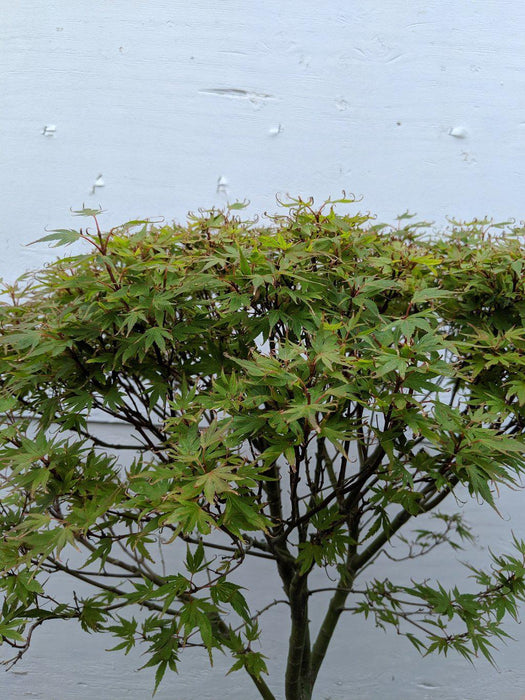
{"x":298,"y":684}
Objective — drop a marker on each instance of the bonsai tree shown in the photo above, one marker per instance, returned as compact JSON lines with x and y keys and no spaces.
{"x":299,"y":392}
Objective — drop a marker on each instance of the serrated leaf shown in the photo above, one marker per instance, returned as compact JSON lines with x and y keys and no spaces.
{"x":62,"y":236}
{"x":86,"y":211}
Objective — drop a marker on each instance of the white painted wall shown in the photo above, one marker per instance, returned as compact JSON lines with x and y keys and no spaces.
{"x":185,"y":104}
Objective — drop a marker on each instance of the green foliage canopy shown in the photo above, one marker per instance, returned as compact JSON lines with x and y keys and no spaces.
{"x":297,"y":392}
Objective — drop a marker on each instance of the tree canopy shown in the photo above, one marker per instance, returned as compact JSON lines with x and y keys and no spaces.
{"x":299,"y":391}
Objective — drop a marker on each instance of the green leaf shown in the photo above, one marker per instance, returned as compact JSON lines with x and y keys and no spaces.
{"x":60,"y":236}
{"x":86,"y":211}
{"x":431,"y":293}
{"x":238,"y":205}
